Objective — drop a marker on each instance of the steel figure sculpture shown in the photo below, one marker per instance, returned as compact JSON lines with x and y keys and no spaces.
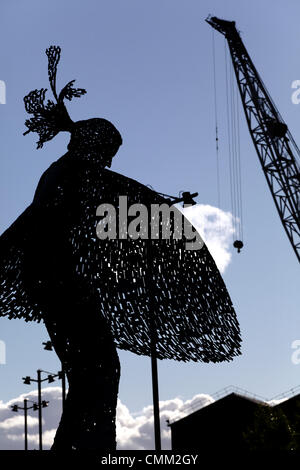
{"x":93,"y":294}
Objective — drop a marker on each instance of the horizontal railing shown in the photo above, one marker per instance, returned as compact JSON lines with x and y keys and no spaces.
{"x":197,"y":405}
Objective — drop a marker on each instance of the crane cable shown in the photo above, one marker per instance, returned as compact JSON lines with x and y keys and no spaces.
{"x":216,"y":121}
{"x":233,"y":130}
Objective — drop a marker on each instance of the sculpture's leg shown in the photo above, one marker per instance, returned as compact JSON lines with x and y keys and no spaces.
{"x":84,"y":345}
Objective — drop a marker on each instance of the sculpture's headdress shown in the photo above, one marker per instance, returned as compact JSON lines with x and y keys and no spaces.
{"x":52,"y":117}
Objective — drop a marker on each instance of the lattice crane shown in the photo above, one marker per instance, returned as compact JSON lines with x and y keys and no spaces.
{"x":276,"y":149}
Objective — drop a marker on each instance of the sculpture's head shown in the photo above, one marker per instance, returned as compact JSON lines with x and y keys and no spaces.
{"x":97,"y":138}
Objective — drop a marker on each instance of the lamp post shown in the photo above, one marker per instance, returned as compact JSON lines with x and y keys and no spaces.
{"x":153,"y":338}
{"x":48,"y":346}
{"x":41,"y":403}
{"x":35,"y":406}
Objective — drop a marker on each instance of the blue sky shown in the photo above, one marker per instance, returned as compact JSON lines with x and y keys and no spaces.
{"x":147,"y":67}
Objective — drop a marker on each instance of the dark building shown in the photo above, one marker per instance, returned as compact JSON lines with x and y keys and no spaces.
{"x":218,"y":425}
{"x":224,"y":425}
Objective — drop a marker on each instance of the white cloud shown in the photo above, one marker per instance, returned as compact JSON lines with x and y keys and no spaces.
{"x":12,"y":424}
{"x":216,"y":228}
{"x":18,"y":422}
{"x":134,"y":430}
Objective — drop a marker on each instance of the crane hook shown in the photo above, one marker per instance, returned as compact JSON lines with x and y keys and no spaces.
{"x":238,"y":244}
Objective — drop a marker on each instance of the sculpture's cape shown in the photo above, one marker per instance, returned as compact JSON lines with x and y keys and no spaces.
{"x":54,"y":240}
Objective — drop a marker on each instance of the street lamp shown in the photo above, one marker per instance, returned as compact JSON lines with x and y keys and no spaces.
{"x":33,"y":407}
{"x":41,"y":403}
{"x":48,"y":346}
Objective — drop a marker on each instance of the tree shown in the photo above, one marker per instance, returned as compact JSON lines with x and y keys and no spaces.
{"x":271,"y":430}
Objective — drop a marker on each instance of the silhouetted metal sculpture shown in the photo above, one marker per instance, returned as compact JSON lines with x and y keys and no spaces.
{"x":95,"y":295}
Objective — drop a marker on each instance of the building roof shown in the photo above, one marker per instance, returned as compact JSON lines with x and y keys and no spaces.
{"x":226,"y":401}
